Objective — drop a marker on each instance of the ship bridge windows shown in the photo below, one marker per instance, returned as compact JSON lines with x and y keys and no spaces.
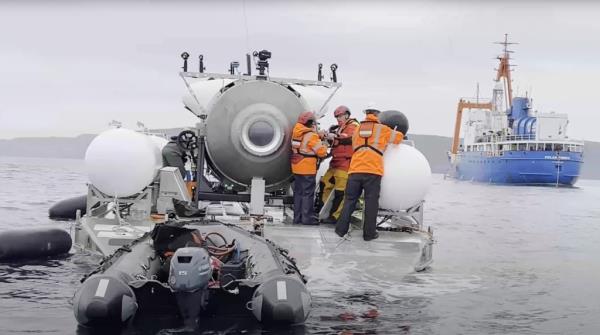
{"x":573,"y":148}
{"x":522,"y":146}
{"x":555,"y":147}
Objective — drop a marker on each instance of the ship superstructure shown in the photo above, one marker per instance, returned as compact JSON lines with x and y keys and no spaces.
{"x":506,"y":141}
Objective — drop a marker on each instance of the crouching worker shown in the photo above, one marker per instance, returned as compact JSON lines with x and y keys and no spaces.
{"x":174,"y":155}
{"x":307,"y":148}
{"x":366,"y":169}
{"x":336,"y":177}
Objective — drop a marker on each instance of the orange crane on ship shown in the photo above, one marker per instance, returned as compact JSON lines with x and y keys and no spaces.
{"x":502,"y":73}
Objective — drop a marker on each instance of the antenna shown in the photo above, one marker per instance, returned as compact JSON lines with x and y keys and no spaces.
{"x":504,"y":69}
{"x":185,"y":57}
{"x":248,"y":68}
{"x":201,"y":67}
{"x":334,"y":68}
{"x":506,"y":43}
{"x":320,"y":72}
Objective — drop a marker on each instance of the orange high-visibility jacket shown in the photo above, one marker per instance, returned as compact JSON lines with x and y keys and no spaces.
{"x":306,"y":148}
{"x":369,"y":143}
{"x":341,"y":151}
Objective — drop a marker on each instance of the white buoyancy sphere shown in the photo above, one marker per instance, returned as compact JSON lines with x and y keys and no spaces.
{"x":160,"y":142}
{"x":122,"y":162}
{"x":406,"y":179}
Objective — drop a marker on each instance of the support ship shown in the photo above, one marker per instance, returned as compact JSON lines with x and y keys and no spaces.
{"x":513,"y":144}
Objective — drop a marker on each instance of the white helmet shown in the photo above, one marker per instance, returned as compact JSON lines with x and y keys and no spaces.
{"x":371,"y":106}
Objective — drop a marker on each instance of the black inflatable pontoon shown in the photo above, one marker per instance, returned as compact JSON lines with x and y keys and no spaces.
{"x":33,"y":243}
{"x":66,"y":209}
{"x":194,"y":271}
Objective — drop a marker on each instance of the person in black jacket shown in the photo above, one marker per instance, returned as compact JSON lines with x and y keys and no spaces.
{"x":174,"y":155}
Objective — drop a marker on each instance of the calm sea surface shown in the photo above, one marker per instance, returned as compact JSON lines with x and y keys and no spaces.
{"x":507,"y":260}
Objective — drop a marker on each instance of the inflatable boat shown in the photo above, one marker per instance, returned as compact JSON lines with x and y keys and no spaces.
{"x":194,"y":270}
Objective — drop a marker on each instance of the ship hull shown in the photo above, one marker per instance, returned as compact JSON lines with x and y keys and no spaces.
{"x":519,"y":167}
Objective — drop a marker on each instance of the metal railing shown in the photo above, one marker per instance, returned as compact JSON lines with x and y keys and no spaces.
{"x":492,"y":138}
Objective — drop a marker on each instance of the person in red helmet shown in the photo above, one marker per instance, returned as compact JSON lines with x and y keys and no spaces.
{"x":336,"y":177}
{"x":307,"y":149}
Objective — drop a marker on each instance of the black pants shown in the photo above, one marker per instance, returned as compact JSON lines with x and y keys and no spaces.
{"x":357,"y":182}
{"x":304,"y":199}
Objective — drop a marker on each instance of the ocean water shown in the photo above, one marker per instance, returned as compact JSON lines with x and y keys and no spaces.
{"x":507,"y":260}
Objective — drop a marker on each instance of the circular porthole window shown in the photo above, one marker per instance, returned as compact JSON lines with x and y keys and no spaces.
{"x":261,"y":135}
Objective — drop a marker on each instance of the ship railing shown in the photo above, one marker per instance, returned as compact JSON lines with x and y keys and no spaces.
{"x":522,"y":138}
{"x":475,"y":99}
{"x":496,"y":148}
{"x":504,"y":138}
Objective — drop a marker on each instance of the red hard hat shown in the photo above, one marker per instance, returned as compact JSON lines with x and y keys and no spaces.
{"x":341,"y":110}
{"x":306,"y":116}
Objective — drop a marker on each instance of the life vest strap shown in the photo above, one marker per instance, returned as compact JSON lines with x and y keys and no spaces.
{"x":367,"y":146}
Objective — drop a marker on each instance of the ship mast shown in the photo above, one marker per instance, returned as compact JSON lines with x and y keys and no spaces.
{"x":504,"y":73}
{"x":504,"y":69}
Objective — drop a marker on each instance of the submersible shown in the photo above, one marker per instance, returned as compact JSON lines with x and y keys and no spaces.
{"x":197,"y":266}
{"x":169,"y":249}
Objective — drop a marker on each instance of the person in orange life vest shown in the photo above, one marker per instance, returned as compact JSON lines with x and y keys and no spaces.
{"x":366,"y":169}
{"x":336,"y":177}
{"x":307,"y":148}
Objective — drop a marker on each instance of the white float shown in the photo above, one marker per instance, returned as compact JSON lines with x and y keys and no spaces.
{"x":121,"y":162}
{"x":160,"y":142}
{"x":204,"y":91}
{"x":407,"y":177}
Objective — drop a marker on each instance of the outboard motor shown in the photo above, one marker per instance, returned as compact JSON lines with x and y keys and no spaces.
{"x":281,"y":299}
{"x":189,"y":274}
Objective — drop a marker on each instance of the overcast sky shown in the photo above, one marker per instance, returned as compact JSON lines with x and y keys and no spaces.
{"x":70,"y":68}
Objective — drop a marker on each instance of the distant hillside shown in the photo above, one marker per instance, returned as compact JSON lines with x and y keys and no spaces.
{"x":55,"y":147}
{"x":433,"y":147}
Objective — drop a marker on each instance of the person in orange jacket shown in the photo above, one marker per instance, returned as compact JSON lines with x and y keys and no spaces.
{"x":365,"y":172}
{"x":307,"y":148}
{"x":336,"y":177}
